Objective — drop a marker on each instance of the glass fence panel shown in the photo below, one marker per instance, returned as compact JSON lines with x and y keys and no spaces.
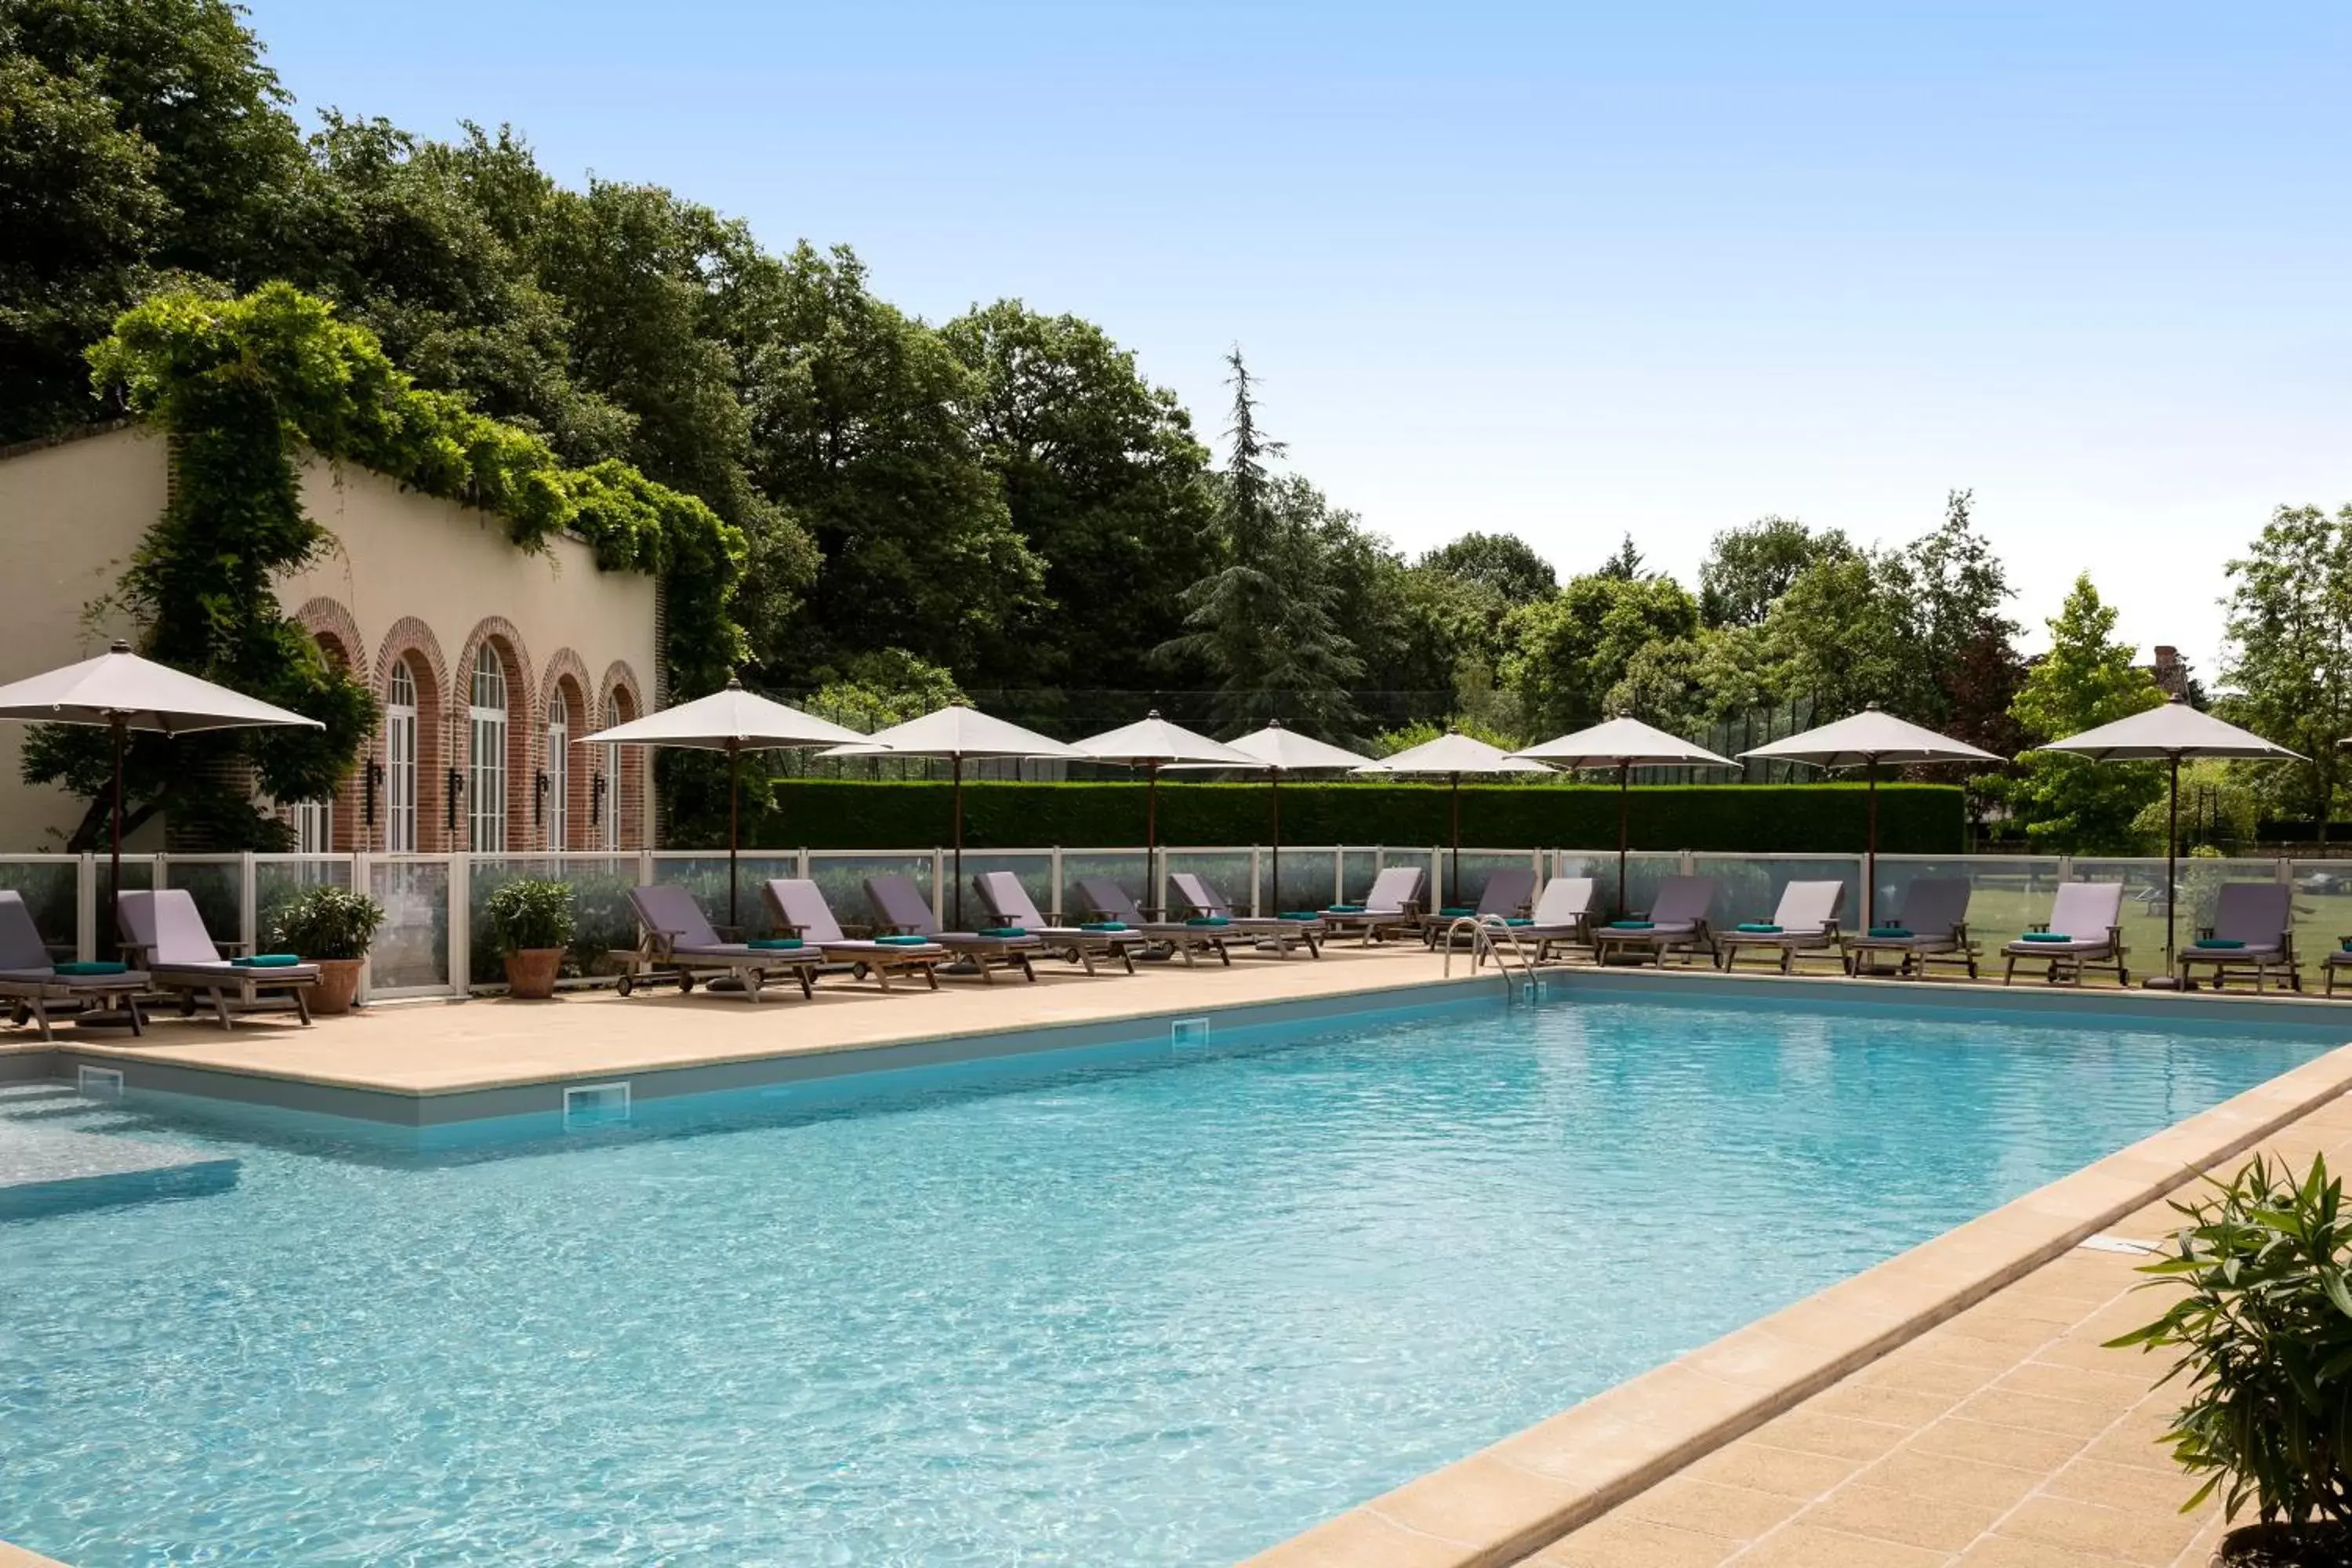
{"x":1646,"y":870}
{"x":842,"y":878}
{"x":602,"y":920}
{"x":1034,"y":870}
{"x":1123,"y":866}
{"x":1357,"y":870}
{"x":1226,"y":872}
{"x":2008,"y":895}
{"x":1431,"y":866}
{"x":1752,"y":885}
{"x":278,"y":880}
{"x":412,"y":947}
{"x":2147,"y":904}
{"x":741,"y":905}
{"x":1306,"y":879}
{"x":52,"y":892}
{"x":137,"y":875}
{"x":2322,"y":915}
{"x":217,"y":883}
{"x":1466,"y":885}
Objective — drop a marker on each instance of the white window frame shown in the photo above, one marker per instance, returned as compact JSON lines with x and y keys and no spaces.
{"x":485,"y":817}
{"x":400,"y":761}
{"x":612,"y":778}
{"x":314,"y":826}
{"x":559,"y":771}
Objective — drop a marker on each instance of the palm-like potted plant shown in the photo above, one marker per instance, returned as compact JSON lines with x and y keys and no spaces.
{"x":332,"y":928}
{"x":2263,"y":1322}
{"x":531,"y":921}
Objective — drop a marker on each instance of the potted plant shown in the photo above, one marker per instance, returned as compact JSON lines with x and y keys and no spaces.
{"x":330,"y":927}
{"x":531,"y":921}
{"x":2264,"y":1322}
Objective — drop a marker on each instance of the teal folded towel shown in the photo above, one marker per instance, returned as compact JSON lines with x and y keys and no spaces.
{"x":1301,"y":915}
{"x":1518,"y":920}
{"x":1005,"y":931}
{"x":1210,"y":921}
{"x":2046,"y":936}
{"x":1455,"y":911}
{"x":1358,"y":909}
{"x":2218,"y":942}
{"x":1632,"y":925}
{"x":904,"y":941}
{"x":99,"y":968}
{"x":1762,"y":928}
{"x":1104,"y":925}
{"x":775,"y":943}
{"x":267,"y":960}
{"x":1890,"y":931}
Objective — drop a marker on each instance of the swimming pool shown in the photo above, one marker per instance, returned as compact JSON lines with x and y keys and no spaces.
{"x":1140,"y":1306}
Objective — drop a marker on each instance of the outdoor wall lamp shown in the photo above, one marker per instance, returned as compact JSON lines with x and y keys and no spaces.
{"x":539,"y":797}
{"x":374,"y":780}
{"x":596,"y":801}
{"x":457,"y":788}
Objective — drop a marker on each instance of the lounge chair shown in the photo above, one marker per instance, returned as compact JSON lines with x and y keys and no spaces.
{"x":1805,"y":921}
{"x":2084,"y":927}
{"x":1932,"y":928}
{"x":1101,"y":899}
{"x":31,"y":979}
{"x":164,"y":933}
{"x":797,"y":904}
{"x":1676,"y":923}
{"x":1505,"y":898}
{"x":1394,"y":904}
{"x":677,"y":941}
{"x":900,"y":905}
{"x":1201,"y":903}
{"x":2252,"y":933}
{"x":1010,"y":905}
{"x":1562,"y":917}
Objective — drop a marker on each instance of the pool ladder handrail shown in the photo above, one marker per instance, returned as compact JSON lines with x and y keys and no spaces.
{"x":1484,"y":930}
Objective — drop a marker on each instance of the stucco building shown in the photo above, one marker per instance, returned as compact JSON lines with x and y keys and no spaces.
{"x":488,"y":662}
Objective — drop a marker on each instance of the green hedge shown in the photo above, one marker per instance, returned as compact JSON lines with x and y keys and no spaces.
{"x":840,"y":814}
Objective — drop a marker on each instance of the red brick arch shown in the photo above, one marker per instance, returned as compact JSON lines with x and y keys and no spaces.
{"x":523,"y":737}
{"x":567,"y":674}
{"x":333,"y":628}
{"x":412,"y":642}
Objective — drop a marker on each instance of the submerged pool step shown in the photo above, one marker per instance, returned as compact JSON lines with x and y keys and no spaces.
{"x":59,"y":1153}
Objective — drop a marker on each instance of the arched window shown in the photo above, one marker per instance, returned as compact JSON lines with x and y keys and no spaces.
{"x":559,"y":771}
{"x":400,"y":761}
{"x":612,"y":803}
{"x":314,"y":826}
{"x":487,"y":819}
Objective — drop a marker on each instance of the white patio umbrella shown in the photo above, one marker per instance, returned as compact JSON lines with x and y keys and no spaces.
{"x":955,"y":732}
{"x":1625,"y":745}
{"x":732,"y":720}
{"x":123,"y":692}
{"x":1450,"y":756}
{"x":2167,"y":734}
{"x":1281,"y":751}
{"x":1152,"y":744}
{"x":1867,"y":740}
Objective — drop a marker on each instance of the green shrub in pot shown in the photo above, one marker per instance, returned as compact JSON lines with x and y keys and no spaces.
{"x":528,"y":915}
{"x":327,"y":922}
{"x":2264,"y":1324}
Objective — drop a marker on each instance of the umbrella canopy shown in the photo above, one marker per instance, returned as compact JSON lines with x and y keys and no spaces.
{"x":955,"y":732}
{"x":1623,"y":744}
{"x":123,"y":692}
{"x":2167,"y":733}
{"x":732,"y":720}
{"x":1281,"y":751}
{"x":1451,"y":755}
{"x":1865,"y":740}
{"x":1152,"y":744}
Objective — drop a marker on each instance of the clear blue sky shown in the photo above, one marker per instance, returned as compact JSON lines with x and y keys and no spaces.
{"x":1563,"y":270}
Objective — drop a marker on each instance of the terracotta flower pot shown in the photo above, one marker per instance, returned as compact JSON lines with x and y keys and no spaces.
{"x":530,"y":973}
{"x":339,"y":983}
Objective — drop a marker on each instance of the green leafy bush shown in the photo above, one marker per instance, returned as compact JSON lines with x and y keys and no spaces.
{"x":1825,"y":818}
{"x":528,"y":914}
{"x":327,"y":922}
{"x":2264,"y":1326}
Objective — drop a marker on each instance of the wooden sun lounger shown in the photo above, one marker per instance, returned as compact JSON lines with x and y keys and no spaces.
{"x":164,"y":933}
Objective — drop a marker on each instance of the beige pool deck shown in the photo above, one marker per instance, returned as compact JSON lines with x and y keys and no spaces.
{"x":1949,"y":1406}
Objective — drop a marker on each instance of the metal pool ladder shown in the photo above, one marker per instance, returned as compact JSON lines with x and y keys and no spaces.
{"x":1484,"y":930}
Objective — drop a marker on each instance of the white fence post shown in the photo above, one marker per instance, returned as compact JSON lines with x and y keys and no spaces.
{"x":939,"y":884}
{"x":249,"y":898}
{"x":461,"y":917}
{"x":1258,"y":872}
{"x":361,"y":877}
{"x":1053,"y":893}
{"x":85,"y":909}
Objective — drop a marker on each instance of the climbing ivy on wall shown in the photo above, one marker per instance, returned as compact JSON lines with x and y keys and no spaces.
{"x":245,"y":386}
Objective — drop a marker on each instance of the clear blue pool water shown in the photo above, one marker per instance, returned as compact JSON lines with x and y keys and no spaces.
{"x":1126,"y":1310}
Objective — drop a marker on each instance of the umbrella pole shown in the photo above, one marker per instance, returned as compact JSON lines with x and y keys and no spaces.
{"x":734,"y":823}
{"x":2171,"y":861}
{"x":1625,"y":806}
{"x":1455,"y":875}
{"x":118,"y":725}
{"x":1870,"y":861}
{"x":955,"y":765}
